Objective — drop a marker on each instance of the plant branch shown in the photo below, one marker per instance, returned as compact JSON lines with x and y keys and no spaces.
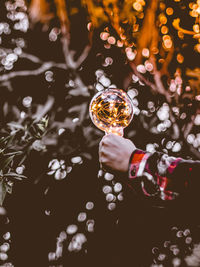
{"x":46,"y":66}
{"x":30,"y":57}
{"x":176,"y":24}
{"x":83,"y":56}
{"x":42,"y":111}
{"x":146,"y":37}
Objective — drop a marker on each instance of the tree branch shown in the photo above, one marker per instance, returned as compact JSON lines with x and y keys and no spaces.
{"x":83,"y":56}
{"x":39,"y":10}
{"x":148,"y":28}
{"x":46,"y":66}
{"x":30,"y":57}
{"x":43,"y":109}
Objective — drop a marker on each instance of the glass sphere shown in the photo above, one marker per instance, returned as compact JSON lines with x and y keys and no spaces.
{"x":111,"y":110}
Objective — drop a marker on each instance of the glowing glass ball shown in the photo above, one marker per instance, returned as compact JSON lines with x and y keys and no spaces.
{"x":111,"y":110}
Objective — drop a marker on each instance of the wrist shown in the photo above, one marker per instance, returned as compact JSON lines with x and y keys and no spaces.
{"x":137,"y":163}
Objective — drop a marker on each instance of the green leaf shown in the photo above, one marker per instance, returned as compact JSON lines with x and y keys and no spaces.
{"x":22,"y":160}
{"x":10,"y":140}
{"x":46,"y":121}
{"x":9,"y":188}
{"x":15,"y":175}
{"x":4,"y":163}
{"x":6,"y":141}
{"x":13,"y":153}
{"x":41,"y":127}
{"x":3,"y":140}
{"x":34,"y":132}
{"x":2,"y":150}
{"x":2,"y":191}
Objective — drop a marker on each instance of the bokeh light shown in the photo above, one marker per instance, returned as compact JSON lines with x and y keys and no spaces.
{"x":111,"y":110}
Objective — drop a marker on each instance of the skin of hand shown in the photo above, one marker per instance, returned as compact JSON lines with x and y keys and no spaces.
{"x":115,"y":152}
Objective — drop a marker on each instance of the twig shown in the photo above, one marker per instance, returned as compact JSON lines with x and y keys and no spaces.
{"x":65,"y":29}
{"x":83,"y":56}
{"x":194,"y":151}
{"x":41,"y":112}
{"x":35,"y":59}
{"x":187,"y":128}
{"x":142,"y":78}
{"x":147,"y":31}
{"x":31,"y":57}
{"x":22,"y":73}
{"x":176,"y":24}
{"x":167,"y":61}
{"x":176,"y":133}
{"x":39,"y":10}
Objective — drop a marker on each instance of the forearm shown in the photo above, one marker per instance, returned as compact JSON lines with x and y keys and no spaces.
{"x":162,"y":177}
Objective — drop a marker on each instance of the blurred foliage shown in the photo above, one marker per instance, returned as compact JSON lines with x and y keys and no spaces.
{"x":54,"y":56}
{"x":15,"y":144}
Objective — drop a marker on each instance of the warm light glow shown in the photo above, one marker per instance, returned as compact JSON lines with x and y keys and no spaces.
{"x":129,"y":53}
{"x":161,"y":60}
{"x":197,"y":48}
{"x":137,"y":6}
{"x":169,"y":11}
{"x":164,"y":30}
{"x":111,"y":110}
{"x":196,"y":28}
{"x":194,"y":13}
{"x":180,"y":58}
{"x":155,"y":50}
{"x":180,"y":34}
{"x":145,"y":52}
{"x":167,"y":42}
{"x":104,"y":36}
{"x":162,"y":6}
{"x":89,"y":26}
{"x":119,"y":43}
{"x":163,"y":19}
{"x":196,"y":36}
{"x":123,"y":37}
{"x":148,"y":66}
{"x":111,"y":40}
{"x":141,"y":15}
{"x":135,"y":27}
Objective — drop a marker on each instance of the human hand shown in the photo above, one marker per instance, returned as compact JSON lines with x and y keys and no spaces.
{"x":115,"y":152}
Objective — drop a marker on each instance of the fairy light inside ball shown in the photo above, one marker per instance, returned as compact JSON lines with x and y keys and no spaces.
{"x":111,"y":110}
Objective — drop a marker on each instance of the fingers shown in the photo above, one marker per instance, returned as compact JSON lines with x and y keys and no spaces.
{"x":108,"y":139}
{"x":102,"y":161}
{"x":104,"y":157}
{"x":104,"y":142}
{"x":107,"y":144}
{"x":114,"y":152}
{"x":109,"y":148}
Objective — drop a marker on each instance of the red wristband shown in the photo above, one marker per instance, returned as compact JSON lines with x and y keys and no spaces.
{"x":137,"y":164}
